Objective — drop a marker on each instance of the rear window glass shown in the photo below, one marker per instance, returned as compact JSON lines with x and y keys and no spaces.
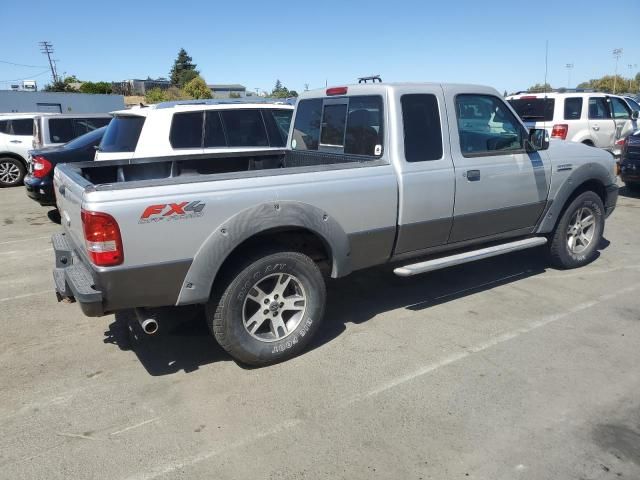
{"x":91,"y":138}
{"x":278,"y":122}
{"x":572,"y":108}
{"x":333,"y":123}
{"x":186,"y":130}
{"x":122,"y":134}
{"x":364,"y":126}
{"x":213,"y":132}
{"x":244,"y":128}
{"x":422,"y":130}
{"x":534,"y":109}
{"x":306,"y":130}
{"x":86,"y":125}
{"x":22,"y":127}
{"x":61,"y":130}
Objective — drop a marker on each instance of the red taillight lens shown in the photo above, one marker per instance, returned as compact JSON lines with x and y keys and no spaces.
{"x":102,"y":239}
{"x":336,"y":91}
{"x":560,"y":131}
{"x":41,"y":166}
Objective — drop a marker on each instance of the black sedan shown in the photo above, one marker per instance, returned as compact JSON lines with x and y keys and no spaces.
{"x":39,"y":181}
{"x":630,"y":161}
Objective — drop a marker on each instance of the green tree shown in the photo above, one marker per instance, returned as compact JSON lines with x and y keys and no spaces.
{"x":96,"y":87}
{"x":156,"y":95}
{"x":293,"y":93}
{"x":280,"y":91}
{"x":59,"y":86}
{"x":540,"y":88}
{"x":197,"y":88}
{"x":183,"y":70}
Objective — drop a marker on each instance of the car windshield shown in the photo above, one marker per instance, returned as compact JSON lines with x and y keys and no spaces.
{"x":122,"y":134}
{"x":533,"y":108}
{"x":91,"y":138}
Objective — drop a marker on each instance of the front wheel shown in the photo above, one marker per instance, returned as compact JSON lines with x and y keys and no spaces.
{"x":12,"y":172}
{"x":578,"y":233}
{"x":269,"y":308}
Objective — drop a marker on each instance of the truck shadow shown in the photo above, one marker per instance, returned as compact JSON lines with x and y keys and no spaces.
{"x":187,"y":345}
{"x":627,"y":192}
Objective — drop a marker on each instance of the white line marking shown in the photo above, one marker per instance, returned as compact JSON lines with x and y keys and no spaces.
{"x":131,"y":427}
{"x":30,"y":252}
{"x":17,"y":297}
{"x":74,"y":435}
{"x":24,"y":240}
{"x":291,"y":423}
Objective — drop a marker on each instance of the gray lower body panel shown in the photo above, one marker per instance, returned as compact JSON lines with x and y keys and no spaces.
{"x":417,"y":236}
{"x":371,"y":248}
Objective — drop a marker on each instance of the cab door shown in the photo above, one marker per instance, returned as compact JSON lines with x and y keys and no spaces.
{"x":601,"y":124}
{"x":500,"y":189}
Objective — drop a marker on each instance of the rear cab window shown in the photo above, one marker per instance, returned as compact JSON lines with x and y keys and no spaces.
{"x":422,"y":129}
{"x":346,"y":125}
{"x":122,"y":134}
{"x":534,"y":109}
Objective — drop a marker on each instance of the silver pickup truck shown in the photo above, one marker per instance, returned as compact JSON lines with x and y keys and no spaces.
{"x":421,"y":175}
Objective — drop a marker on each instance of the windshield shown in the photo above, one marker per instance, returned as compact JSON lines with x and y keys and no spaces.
{"x":537,"y":109}
{"x":122,"y":134}
{"x":91,"y":138}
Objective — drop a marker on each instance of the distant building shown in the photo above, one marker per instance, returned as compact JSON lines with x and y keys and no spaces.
{"x":228,"y":90}
{"x":25,"y":86}
{"x":58,"y":102}
{"x":136,"y":86}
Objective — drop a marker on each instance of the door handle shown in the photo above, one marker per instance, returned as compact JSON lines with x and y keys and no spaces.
{"x":596,"y":128}
{"x":472,"y":175}
{"x":15,"y":141}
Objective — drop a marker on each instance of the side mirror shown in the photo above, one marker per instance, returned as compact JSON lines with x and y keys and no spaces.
{"x":538,"y":140}
{"x":634,"y":114}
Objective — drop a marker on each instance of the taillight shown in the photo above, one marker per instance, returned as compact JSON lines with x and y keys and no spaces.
{"x":336,"y":91}
{"x":102,"y":238}
{"x":41,"y":166}
{"x":560,"y":131}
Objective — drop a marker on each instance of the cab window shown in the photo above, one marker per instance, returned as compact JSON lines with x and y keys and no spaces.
{"x":486,"y":126}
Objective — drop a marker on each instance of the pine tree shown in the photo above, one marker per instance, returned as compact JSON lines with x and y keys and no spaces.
{"x":183,"y":69}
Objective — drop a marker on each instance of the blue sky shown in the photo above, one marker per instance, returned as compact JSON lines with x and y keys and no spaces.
{"x":498,"y":43}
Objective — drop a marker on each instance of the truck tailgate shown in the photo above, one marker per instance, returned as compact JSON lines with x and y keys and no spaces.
{"x":69,"y":189}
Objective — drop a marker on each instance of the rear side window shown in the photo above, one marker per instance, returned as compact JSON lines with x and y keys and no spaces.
{"x":533,"y":109}
{"x":22,"y":127}
{"x":598,"y":108}
{"x":422,"y":130}
{"x":306,"y":130}
{"x":61,"y":130}
{"x":277,"y":122}
{"x":244,"y":128}
{"x":4,"y":126}
{"x":86,"y":125}
{"x":213,"y":132}
{"x":364,"y":126}
{"x":186,"y":130}
{"x":333,"y":123}
{"x":572,"y":108}
{"x":122,"y":134}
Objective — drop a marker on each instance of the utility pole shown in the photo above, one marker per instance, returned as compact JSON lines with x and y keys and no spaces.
{"x":306,"y":87}
{"x":47,"y":49}
{"x":631,"y":67}
{"x":617,"y":53}
{"x":569,"y":67}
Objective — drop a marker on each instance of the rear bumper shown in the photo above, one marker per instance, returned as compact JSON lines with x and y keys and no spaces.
{"x":40,"y":190}
{"x":73,"y":280}
{"x":630,"y":170}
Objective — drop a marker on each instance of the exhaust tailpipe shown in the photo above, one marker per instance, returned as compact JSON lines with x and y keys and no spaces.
{"x":148,"y":323}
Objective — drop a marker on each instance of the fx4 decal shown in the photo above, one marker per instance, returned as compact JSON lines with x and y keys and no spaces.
{"x":172,"y":211}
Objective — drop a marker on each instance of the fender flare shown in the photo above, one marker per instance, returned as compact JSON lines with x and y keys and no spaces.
{"x":196,"y":287}
{"x":584,"y":173}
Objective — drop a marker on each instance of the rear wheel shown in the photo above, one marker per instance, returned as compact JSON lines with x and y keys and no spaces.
{"x":12,"y":172}
{"x":269,"y":307}
{"x":578,"y":233}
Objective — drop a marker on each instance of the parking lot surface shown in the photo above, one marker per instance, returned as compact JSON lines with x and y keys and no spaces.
{"x":501,"y":369}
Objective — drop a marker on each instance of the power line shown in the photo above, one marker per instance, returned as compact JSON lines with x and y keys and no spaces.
{"x":47,"y":49}
{"x":26,"y":78}
{"x":22,"y":64}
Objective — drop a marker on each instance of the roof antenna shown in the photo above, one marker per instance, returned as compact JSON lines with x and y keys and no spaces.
{"x":546,"y":67}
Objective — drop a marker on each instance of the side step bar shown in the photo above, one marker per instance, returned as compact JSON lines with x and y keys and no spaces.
{"x":466,"y":257}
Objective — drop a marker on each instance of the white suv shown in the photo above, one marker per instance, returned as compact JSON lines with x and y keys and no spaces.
{"x":592,"y":118}
{"x":195,"y":127}
{"x":16,"y":135}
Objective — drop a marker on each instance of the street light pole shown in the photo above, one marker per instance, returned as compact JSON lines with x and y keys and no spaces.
{"x":631,"y":67}
{"x":569,"y":66}
{"x":617,"y":53}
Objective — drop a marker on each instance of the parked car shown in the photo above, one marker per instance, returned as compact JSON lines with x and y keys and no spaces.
{"x":16,"y":136}
{"x":630,"y":161}
{"x":195,"y":127}
{"x":595,"y":119}
{"x":56,"y":130}
{"x":39,"y":181}
{"x":372,"y":174}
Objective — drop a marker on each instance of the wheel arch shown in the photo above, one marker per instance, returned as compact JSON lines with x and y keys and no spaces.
{"x":300,"y":226}
{"x":15,"y":156}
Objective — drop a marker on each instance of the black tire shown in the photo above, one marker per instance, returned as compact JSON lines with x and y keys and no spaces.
{"x":12,"y":172}
{"x":234,"y":297}
{"x":561,"y":255}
